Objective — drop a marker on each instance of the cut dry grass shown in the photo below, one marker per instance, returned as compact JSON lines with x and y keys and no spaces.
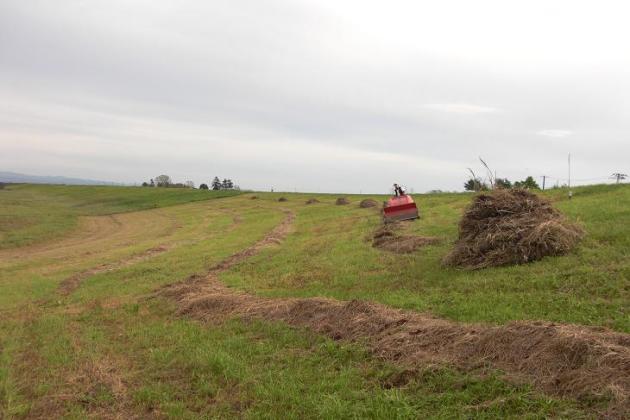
{"x":562,"y":360}
{"x":511,"y":227}
{"x":388,"y":238}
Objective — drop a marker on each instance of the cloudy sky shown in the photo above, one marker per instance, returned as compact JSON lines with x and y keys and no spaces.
{"x":315,"y":95}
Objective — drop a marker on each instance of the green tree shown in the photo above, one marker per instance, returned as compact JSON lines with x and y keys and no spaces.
{"x":203,"y":186}
{"x":502,"y":183}
{"x":163,"y":181}
{"x":216,"y":183}
{"x":475,"y":185}
{"x":527,"y":184}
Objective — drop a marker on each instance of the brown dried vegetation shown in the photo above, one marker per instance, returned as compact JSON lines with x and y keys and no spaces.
{"x":564,"y":360}
{"x":511,"y":227}
{"x":387,"y":238}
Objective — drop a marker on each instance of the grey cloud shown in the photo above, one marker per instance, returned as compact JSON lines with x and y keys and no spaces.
{"x":202,"y":88}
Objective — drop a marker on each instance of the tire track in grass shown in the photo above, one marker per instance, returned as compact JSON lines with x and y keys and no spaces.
{"x":563,"y":360}
{"x":103,"y":374}
{"x":70,"y":284}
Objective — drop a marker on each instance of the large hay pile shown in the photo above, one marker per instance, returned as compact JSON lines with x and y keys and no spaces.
{"x":282,"y":199}
{"x":312,"y":201}
{"x":342,"y":201}
{"x":511,"y":227}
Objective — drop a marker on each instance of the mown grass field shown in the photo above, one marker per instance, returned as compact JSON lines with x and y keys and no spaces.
{"x":110,"y":349}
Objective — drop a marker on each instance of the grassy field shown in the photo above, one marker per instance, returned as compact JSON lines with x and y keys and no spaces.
{"x":329,"y":256}
{"x":109,"y":349}
{"x":35,"y":213}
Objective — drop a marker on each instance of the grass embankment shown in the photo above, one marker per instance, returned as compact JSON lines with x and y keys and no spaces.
{"x":106,"y":348}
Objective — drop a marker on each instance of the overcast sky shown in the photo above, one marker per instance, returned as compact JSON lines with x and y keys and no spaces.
{"x":315,"y":95}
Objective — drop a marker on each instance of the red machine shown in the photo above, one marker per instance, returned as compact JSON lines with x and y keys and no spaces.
{"x":401,"y":207}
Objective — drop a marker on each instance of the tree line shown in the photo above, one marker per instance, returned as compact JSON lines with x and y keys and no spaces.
{"x":165,"y":181}
{"x":217,"y":185}
{"x":490,"y":182}
{"x":477,"y":184}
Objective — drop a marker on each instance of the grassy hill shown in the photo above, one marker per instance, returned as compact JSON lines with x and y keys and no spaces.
{"x":35,"y":213}
{"x":82,"y":332}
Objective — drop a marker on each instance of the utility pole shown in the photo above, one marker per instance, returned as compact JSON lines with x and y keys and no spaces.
{"x":570,"y":192}
{"x":544,"y":177}
{"x":619,"y":176}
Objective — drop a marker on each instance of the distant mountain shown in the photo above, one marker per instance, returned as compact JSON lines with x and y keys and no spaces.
{"x":38,"y":179}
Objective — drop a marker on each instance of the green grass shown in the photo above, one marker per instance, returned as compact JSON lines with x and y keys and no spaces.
{"x":36,"y":213}
{"x":68,"y":355}
{"x":330,"y":255}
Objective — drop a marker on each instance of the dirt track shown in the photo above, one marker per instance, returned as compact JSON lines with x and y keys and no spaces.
{"x":564,"y":360}
{"x":70,"y":284}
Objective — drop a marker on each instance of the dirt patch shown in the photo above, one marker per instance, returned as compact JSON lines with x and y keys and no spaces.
{"x":70,"y":284}
{"x":563,"y":360}
{"x":511,"y":227}
{"x":388,"y":238}
{"x":312,"y":201}
{"x":341,"y":201}
{"x":368,"y":203}
{"x":282,"y":199}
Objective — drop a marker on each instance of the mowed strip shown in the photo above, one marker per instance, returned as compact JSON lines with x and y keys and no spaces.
{"x":71,"y":283}
{"x":107,"y":243}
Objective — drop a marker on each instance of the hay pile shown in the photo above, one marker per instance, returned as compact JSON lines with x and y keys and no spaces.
{"x":511,"y":227}
{"x":342,"y":201}
{"x":387,"y":238}
{"x":367,"y":203}
{"x":253,"y":197}
{"x":282,"y":199}
{"x":312,"y":201}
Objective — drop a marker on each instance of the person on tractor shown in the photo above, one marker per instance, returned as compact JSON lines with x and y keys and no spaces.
{"x":398,"y":190}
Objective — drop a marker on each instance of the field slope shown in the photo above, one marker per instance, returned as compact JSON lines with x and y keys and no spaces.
{"x":134,"y":303}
